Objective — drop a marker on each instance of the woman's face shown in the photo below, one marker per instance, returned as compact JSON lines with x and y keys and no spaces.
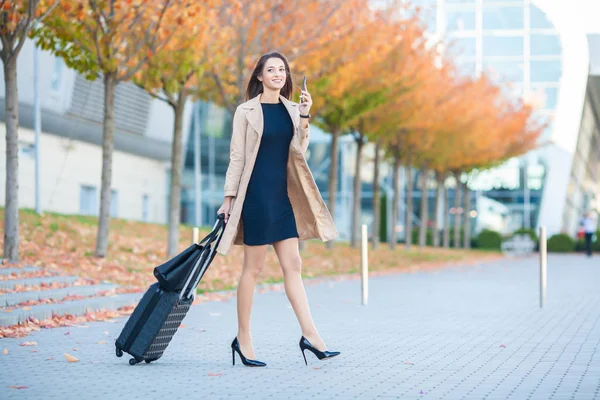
{"x":273,"y":75}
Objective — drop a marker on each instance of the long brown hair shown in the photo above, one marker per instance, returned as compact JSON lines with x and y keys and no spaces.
{"x":255,"y":87}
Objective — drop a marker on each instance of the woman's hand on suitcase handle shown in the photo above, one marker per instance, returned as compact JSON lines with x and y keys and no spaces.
{"x":226,"y":208}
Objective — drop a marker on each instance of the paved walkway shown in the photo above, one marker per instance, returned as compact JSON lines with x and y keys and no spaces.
{"x":461,"y":333}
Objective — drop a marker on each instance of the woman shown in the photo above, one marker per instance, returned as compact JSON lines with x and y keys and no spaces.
{"x":271,"y":197}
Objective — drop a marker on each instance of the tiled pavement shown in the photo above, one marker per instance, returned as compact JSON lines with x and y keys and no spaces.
{"x":460,"y":333}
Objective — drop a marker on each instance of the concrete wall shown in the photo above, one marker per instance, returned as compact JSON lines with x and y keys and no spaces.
{"x":67,"y":164}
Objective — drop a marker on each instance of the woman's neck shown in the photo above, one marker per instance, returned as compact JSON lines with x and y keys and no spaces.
{"x":269,"y":96}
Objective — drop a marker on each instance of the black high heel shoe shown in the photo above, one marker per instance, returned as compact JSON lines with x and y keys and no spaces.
{"x":321,"y":355}
{"x":235,"y":346}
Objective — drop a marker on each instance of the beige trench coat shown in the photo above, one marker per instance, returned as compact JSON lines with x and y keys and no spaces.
{"x":313,"y":219}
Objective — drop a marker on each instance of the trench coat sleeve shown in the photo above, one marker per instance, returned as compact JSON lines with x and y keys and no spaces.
{"x":304,"y":138}
{"x":237,"y":149}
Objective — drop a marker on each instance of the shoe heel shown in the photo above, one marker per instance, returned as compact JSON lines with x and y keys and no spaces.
{"x":304,"y":355}
{"x":233,"y":356}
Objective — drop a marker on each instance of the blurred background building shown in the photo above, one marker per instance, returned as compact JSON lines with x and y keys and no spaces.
{"x":538,"y":50}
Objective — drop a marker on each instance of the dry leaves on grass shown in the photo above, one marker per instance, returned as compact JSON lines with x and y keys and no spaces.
{"x":65,"y":244}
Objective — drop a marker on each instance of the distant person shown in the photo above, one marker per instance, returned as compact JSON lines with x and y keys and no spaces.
{"x":589,"y":228}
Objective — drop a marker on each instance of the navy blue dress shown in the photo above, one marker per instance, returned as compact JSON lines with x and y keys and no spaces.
{"x":267,"y":214}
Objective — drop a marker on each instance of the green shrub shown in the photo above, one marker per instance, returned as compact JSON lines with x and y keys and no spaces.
{"x":561,"y":243}
{"x":489,"y":240}
{"x":524,"y":231}
{"x":428,"y":236}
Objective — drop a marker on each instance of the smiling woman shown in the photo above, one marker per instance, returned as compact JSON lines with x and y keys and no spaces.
{"x":271,"y":197}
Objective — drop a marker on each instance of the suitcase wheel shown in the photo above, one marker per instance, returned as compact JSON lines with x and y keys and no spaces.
{"x":119,"y":352}
{"x":133,"y":361}
{"x":148,"y":361}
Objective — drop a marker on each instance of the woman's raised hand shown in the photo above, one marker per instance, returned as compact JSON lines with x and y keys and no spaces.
{"x":305,"y":102}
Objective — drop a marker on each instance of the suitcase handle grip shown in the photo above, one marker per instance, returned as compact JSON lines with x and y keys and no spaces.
{"x":215,"y":235}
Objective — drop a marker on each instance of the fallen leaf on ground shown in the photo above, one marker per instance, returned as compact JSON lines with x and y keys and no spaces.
{"x":181,"y":326}
{"x":316,"y":367}
{"x":67,"y":333}
{"x":70,"y":358}
{"x":5,"y":351}
{"x":50,"y":358}
{"x":26,"y":308}
{"x":34,"y":351}
{"x":101,"y":342}
{"x":214,"y":374}
{"x":19,"y":387}
{"x":503,"y":346}
{"x":409,"y":363}
{"x":74,"y":349}
{"x":28,"y":344}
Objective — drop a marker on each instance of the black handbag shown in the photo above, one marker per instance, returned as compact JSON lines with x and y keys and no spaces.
{"x":173,"y":274}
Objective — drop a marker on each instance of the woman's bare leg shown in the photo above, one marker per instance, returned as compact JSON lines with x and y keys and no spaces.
{"x":291,"y":264}
{"x":254,"y":261}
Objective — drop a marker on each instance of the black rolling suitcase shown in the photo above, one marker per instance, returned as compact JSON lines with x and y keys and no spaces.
{"x":159,"y":313}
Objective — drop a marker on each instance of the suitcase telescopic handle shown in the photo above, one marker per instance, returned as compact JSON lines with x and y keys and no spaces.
{"x":215,"y":235}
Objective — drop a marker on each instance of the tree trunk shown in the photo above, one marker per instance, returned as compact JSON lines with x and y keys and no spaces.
{"x":436,"y":223}
{"x":356,"y":198}
{"x":467,"y":217}
{"x":11,"y":212}
{"x":457,"y":215}
{"x":108,"y":144}
{"x":176,"y":166}
{"x":395,"y":207}
{"x":333,"y":172}
{"x":446,"y":214}
{"x":409,"y":206}
{"x":424,"y":208}
{"x":376,"y":195}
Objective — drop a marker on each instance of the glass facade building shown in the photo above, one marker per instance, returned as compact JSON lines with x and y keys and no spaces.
{"x":518,"y":45}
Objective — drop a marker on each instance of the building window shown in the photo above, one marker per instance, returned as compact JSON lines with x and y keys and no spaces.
{"x":504,"y":18}
{"x":114,"y":203}
{"x":503,"y":46}
{"x":56,"y":80}
{"x":466,"y":68}
{"x":504,"y":71}
{"x":545,"y":45}
{"x":545,"y":71}
{"x":463,"y":20}
{"x":538,"y":19}
{"x":88,"y":200}
{"x":145,"y":208}
{"x":462,"y":47}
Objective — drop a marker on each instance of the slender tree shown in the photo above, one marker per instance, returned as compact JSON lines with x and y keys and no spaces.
{"x":17,"y":19}
{"x":111,"y":39}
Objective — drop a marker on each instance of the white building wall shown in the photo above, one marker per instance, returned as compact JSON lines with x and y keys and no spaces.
{"x":66,"y":164}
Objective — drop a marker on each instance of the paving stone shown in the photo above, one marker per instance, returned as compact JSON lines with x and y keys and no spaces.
{"x":437,"y":332}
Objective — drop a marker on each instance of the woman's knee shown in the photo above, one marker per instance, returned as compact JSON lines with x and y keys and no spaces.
{"x":292,"y":265}
{"x":254,"y":262}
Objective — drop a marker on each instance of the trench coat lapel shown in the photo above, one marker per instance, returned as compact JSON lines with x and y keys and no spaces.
{"x":292,"y":109}
{"x":255,"y":115}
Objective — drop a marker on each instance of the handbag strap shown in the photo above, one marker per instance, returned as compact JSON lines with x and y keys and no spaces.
{"x":215,"y":230}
